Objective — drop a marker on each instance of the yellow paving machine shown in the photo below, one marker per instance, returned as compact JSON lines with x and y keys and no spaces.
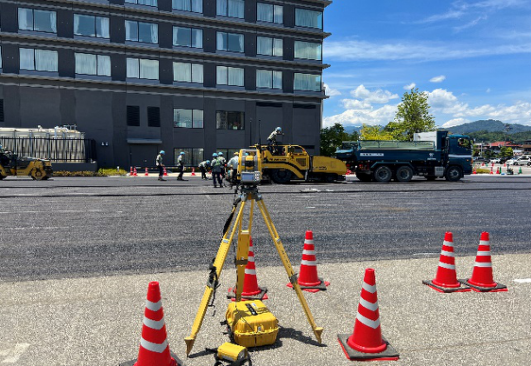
{"x":12,"y":165}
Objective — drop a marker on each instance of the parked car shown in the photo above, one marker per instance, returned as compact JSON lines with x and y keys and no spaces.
{"x":494,"y":160}
{"x":525,"y":160}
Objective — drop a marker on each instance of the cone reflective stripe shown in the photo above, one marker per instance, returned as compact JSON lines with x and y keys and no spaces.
{"x":482,"y":277}
{"x":446,"y":277}
{"x":165,"y":173}
{"x":308,"y":278}
{"x":251,"y":290}
{"x":135,"y":172}
{"x":154,"y":349}
{"x":146,"y":173}
{"x":131,"y":172}
{"x":193,"y":171}
{"x":366,"y":342}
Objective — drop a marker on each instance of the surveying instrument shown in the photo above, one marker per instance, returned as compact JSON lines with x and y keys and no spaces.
{"x":262,"y":328}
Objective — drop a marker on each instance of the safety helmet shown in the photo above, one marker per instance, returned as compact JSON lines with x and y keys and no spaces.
{"x":237,"y":153}
{"x":208,"y":161}
{"x":162,"y":152}
{"x":214,"y":155}
{"x":182,"y":153}
{"x":278,"y":129}
{"x":220,"y":153}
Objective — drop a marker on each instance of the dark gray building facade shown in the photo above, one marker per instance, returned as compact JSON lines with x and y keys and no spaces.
{"x":138,"y":76}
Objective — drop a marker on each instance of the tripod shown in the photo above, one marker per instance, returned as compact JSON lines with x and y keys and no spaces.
{"x":249,"y":194}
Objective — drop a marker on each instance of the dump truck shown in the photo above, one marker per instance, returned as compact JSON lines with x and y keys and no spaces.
{"x":12,"y":165}
{"x":431,"y":155}
{"x":286,"y":163}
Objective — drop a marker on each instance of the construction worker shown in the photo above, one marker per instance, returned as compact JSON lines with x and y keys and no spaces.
{"x":180,"y":165}
{"x":216,"y":170}
{"x":203,"y":166}
{"x":160,"y":165}
{"x":272,"y":140}
{"x":232,"y":168}
{"x":223,"y":167}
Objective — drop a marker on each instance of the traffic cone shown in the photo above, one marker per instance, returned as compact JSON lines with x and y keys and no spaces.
{"x":491,"y":172}
{"x":498,"y":171}
{"x":482,"y":278}
{"x":366,"y":342}
{"x":446,"y":278}
{"x":193,"y":172}
{"x":135,"y":172}
{"x":165,"y":173}
{"x":251,"y":290}
{"x":483,"y":164}
{"x":308,"y":279}
{"x":520,"y":170}
{"x":131,"y":173}
{"x":474,"y":171}
{"x":146,"y":173}
{"x":154,"y":348}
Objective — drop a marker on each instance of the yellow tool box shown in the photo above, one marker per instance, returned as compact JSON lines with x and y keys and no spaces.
{"x":251,"y":323}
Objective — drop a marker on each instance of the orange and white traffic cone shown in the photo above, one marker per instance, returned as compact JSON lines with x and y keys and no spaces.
{"x":135,"y":172}
{"x":146,"y":173}
{"x":193,"y":172}
{"x":154,"y":348}
{"x":446,"y":278}
{"x":251,"y":290}
{"x":491,"y":172}
{"x":498,"y":170}
{"x":131,"y":173}
{"x":308,"y":279}
{"x":482,"y":278}
{"x":165,"y":172}
{"x":366,"y":342}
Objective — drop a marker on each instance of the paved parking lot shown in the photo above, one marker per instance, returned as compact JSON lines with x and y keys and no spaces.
{"x":76,"y":256}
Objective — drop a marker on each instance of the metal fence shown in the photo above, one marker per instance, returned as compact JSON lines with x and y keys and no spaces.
{"x":57,"y":150}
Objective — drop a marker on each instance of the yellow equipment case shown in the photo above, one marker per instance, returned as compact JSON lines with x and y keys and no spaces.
{"x":251,"y":323}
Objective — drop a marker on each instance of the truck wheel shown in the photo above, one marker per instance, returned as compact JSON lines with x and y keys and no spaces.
{"x":330,"y":178}
{"x":281,"y":176}
{"x":453,"y":174}
{"x":404,"y":174}
{"x":383,"y":174}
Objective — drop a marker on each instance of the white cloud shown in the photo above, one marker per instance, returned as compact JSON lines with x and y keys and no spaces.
{"x":331,"y":92}
{"x":488,"y":90}
{"x":410,"y":86}
{"x":438,"y":79}
{"x":446,"y":102}
{"x":379,"y":96}
{"x":455,"y":122}
{"x":356,"y":117}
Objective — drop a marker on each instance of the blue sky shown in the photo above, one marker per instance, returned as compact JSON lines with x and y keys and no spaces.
{"x":473,"y":58}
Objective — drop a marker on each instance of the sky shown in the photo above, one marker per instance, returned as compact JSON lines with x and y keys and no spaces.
{"x":472,"y":58}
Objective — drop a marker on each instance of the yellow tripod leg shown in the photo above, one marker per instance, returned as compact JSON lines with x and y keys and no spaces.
{"x":211,"y":285}
{"x":289,"y":270}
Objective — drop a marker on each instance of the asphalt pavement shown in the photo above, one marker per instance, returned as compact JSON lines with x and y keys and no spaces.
{"x":76,"y":257}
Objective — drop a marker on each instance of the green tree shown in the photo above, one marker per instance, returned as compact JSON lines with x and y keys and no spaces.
{"x":331,"y":139}
{"x":413,"y":116}
{"x":375,"y":133}
{"x":506,"y":152}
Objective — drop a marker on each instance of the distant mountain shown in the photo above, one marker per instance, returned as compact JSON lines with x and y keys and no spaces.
{"x":350,"y":129}
{"x":489,"y":125}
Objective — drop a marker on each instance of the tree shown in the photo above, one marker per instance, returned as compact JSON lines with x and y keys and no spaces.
{"x":412,"y":116}
{"x":375,"y":133}
{"x":506,"y":152}
{"x":333,"y":136}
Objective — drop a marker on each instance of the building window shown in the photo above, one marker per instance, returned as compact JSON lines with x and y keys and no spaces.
{"x":133,"y":115}
{"x":192,"y":156}
{"x":153,"y":114}
{"x":187,"y":72}
{"x":228,"y":120}
{"x":269,"y":13}
{"x":87,"y":64}
{"x":308,"y":50}
{"x":229,"y":76}
{"x":38,"y":60}
{"x":188,"y":5}
{"x":188,"y":37}
{"x":232,"y":42}
{"x":143,"y":2}
{"x":141,"y":32}
{"x":307,"y":82}
{"x":188,"y":118}
{"x":269,"y":46}
{"x":37,"y":20}
{"x":91,"y":26}
{"x":230,"y":8}
{"x":309,"y":18}
{"x":141,"y":68}
{"x":269,"y":79}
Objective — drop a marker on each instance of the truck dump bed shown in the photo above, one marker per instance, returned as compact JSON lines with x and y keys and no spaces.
{"x":396,"y":145}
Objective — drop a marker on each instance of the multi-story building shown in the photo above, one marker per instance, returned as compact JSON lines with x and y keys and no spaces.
{"x":138,"y":76}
